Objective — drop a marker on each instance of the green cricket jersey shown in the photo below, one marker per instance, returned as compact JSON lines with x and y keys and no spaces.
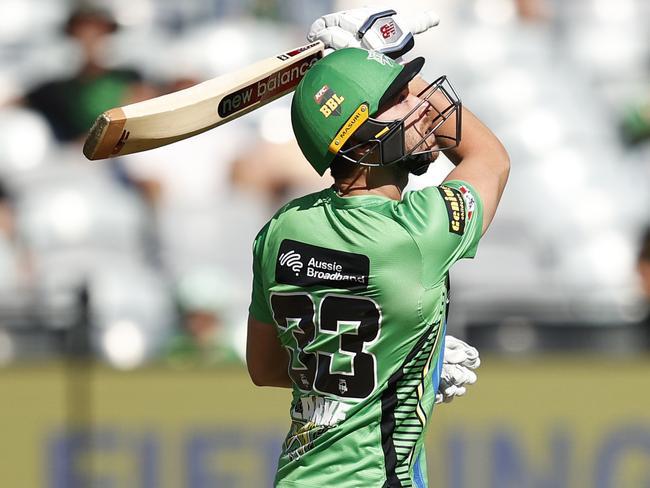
{"x":357,"y":289}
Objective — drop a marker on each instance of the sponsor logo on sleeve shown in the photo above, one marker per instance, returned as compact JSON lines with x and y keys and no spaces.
{"x":470,"y":201}
{"x":455,"y":205}
{"x":302,"y":264}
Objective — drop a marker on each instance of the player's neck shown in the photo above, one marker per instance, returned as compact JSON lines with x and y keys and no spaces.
{"x":392,"y":192}
{"x":376,"y":181}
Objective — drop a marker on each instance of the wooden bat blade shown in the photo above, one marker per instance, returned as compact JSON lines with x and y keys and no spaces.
{"x":185,"y":113}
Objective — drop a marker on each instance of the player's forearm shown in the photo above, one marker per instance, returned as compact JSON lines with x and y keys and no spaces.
{"x":266,"y":359}
{"x":480,"y":158}
{"x":476,"y":138}
{"x":271,"y":377}
{"x":270,"y":371}
{"x":277,"y":382}
{"x":479,"y":142}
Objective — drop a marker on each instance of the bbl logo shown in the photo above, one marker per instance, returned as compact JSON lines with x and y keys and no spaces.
{"x":329,"y":102}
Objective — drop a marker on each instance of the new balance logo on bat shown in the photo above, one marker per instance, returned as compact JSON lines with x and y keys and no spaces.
{"x":267,"y":88}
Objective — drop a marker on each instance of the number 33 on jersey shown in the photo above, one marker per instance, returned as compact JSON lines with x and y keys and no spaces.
{"x":356,"y":289}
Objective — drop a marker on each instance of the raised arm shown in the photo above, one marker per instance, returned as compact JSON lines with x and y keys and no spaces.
{"x":480,"y":158}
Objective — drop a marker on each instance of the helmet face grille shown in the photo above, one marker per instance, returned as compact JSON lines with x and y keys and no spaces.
{"x":380,"y":143}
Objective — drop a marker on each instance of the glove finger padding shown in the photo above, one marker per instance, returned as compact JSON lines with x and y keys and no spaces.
{"x":453,"y":379}
{"x":447,"y":393}
{"x":459,"y":352}
{"x":417,"y":24}
{"x":457,"y":375}
{"x":348,"y":20}
{"x":335,"y":38}
{"x":460,"y":359}
{"x":454,"y":391}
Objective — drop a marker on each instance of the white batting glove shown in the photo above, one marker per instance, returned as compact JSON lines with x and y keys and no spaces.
{"x":459,"y":352}
{"x":460,"y":359}
{"x":371,"y":28}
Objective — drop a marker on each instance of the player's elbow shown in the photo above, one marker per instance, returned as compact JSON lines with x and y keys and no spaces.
{"x":256,"y":376}
{"x":256,"y":370}
{"x":499,"y":157}
{"x":264,"y":374}
{"x":505,"y":168}
{"x":258,"y":381}
{"x":497,"y":160}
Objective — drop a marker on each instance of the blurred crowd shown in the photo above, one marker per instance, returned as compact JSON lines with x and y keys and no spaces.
{"x":160,"y":241}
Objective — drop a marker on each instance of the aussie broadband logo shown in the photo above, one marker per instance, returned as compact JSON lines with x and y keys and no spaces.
{"x":329,"y":270}
{"x":303,"y":264}
{"x":292,"y":259}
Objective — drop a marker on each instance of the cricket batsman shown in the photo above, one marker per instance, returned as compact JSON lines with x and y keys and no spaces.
{"x":351,"y":284}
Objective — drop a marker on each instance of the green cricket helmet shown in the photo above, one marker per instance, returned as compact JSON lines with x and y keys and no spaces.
{"x":339,"y":94}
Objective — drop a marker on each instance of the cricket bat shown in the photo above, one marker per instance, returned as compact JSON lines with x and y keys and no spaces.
{"x":185,"y":113}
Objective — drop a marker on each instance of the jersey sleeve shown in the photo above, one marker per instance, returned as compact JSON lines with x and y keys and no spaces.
{"x":446,"y":223}
{"x":259,"y":308}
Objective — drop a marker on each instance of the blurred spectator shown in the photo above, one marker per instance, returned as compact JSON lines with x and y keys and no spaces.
{"x":274,"y":171}
{"x":635,"y":125}
{"x":161,"y":175}
{"x":643,"y":266}
{"x":533,"y":10}
{"x":203,"y":298}
{"x":12,"y":269}
{"x":71,"y":105}
{"x":199,"y":219}
{"x":6,"y":212}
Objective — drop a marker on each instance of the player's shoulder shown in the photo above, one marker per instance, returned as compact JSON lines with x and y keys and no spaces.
{"x":305,"y":202}
{"x":430,"y":209}
{"x":292,"y":210}
{"x":453,"y":192}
